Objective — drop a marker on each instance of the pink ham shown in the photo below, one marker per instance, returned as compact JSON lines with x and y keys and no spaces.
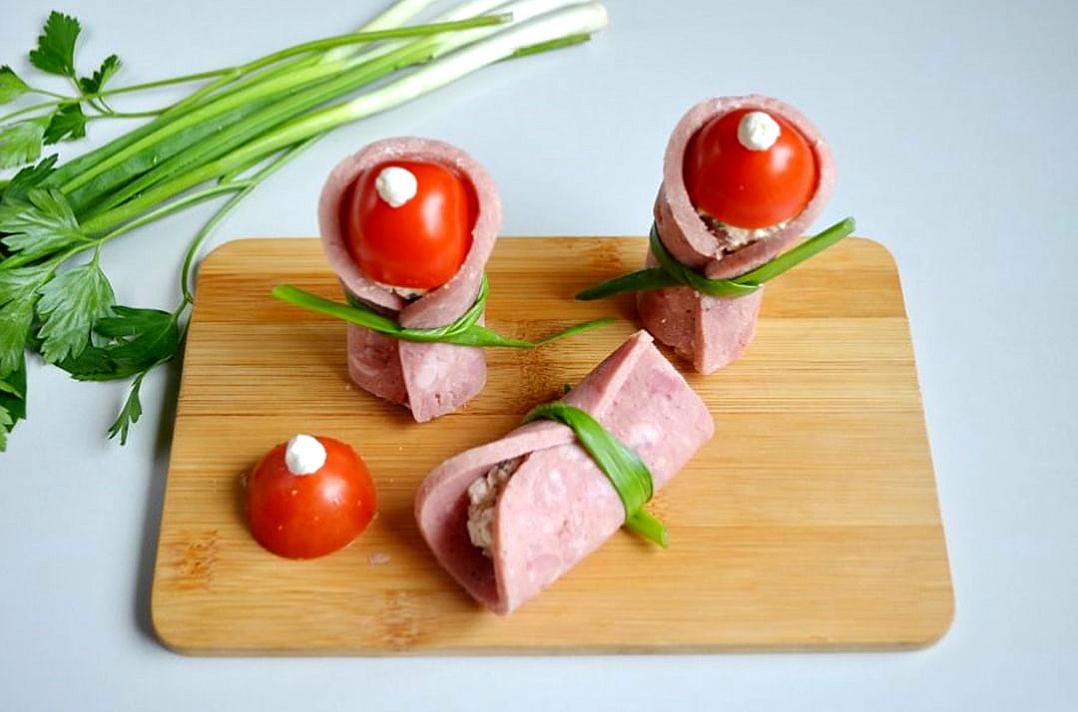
{"x":712,"y":331}
{"x":430,"y":379}
{"x":558,"y":506}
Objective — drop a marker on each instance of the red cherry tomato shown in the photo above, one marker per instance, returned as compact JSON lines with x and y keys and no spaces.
{"x":304,"y":516}
{"x":745,"y":188}
{"x":422,"y":243}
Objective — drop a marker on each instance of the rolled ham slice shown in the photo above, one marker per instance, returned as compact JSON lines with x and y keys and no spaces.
{"x":558,"y":506}
{"x":712,"y":332}
{"x":429,"y":379}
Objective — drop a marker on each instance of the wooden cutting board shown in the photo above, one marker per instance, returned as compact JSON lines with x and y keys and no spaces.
{"x":809,"y":521}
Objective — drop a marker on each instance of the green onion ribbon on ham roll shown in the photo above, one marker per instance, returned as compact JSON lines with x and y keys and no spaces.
{"x":408,"y":225}
{"x":509,"y":518}
{"x":743,"y":179}
{"x":753,"y":191}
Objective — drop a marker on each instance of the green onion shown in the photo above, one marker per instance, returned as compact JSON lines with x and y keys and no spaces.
{"x":303,"y":89}
{"x":627,"y":473}
{"x":671,"y":273}
{"x":465,"y":331}
{"x":223,"y":139}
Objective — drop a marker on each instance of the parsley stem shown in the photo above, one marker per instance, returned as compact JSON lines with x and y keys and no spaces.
{"x":184,"y":79}
{"x":28,"y":109}
{"x":186,"y":286}
{"x":46,"y":92}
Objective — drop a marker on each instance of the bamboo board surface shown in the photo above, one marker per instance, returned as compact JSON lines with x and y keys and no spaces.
{"x":809,"y":521}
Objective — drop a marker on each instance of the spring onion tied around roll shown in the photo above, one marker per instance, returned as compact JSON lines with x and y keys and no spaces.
{"x":465,"y":331}
{"x":671,"y":273}
{"x":627,"y":472}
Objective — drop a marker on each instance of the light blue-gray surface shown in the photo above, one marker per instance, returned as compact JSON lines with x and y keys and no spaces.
{"x":954,"y":127}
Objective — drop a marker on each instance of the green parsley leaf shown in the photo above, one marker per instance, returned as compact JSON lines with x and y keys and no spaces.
{"x":93,"y":364}
{"x":13,"y":394}
{"x":6,"y":387}
{"x":19,"y":186}
{"x":130,"y":413}
{"x":41,"y":227}
{"x":21,"y":142}
{"x":130,"y":321}
{"x":12,"y":400}
{"x":7,"y":422}
{"x":21,"y":283}
{"x":55,"y":51}
{"x":11,"y":86}
{"x":136,"y":341}
{"x":70,"y":304}
{"x":67,"y":124}
{"x":96,"y":82}
{"x":18,"y":294}
{"x":15,"y":320}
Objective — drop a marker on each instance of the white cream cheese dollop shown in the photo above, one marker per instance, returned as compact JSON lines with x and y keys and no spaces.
{"x":396,"y":185}
{"x":304,"y":455}
{"x":757,"y":131}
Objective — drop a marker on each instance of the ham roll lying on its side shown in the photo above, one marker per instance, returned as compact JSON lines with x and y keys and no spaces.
{"x":743,"y":179}
{"x":509,"y":518}
{"x":408,"y":225}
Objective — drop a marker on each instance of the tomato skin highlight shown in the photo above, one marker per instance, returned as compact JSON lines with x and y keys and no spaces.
{"x":306,"y":516}
{"x":421,"y":244}
{"x":746,"y":188}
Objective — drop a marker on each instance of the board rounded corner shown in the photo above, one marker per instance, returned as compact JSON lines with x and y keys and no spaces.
{"x":165,"y":636}
{"x":939,"y":627}
{"x":877,"y":246}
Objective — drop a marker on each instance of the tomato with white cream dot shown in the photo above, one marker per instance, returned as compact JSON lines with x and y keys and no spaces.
{"x":309,"y":497}
{"x":750,"y":169}
{"x":409,"y":224}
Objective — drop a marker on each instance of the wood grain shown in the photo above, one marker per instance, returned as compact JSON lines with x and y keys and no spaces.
{"x":809,"y":521}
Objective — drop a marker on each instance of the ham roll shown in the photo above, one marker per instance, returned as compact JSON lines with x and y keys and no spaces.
{"x":712,"y":332}
{"x":509,"y":518}
{"x":430,"y":379}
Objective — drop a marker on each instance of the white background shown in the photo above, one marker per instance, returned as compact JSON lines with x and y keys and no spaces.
{"x":954,"y":128}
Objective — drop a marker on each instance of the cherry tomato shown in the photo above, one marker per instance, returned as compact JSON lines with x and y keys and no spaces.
{"x":304,"y":516}
{"x":746,"y":188}
{"x":422,"y":243}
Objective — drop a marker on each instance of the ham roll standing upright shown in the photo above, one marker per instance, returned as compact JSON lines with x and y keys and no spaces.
{"x":408,"y":225}
{"x":509,"y":518}
{"x":743,"y":178}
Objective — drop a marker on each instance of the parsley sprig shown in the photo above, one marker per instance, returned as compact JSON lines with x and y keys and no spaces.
{"x":236,"y":127}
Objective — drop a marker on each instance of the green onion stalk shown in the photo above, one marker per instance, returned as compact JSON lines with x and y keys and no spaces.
{"x":237,"y":126}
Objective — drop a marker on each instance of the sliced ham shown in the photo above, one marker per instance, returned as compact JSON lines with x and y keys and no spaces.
{"x":558,"y":506}
{"x":711,"y":331}
{"x":429,"y":379}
